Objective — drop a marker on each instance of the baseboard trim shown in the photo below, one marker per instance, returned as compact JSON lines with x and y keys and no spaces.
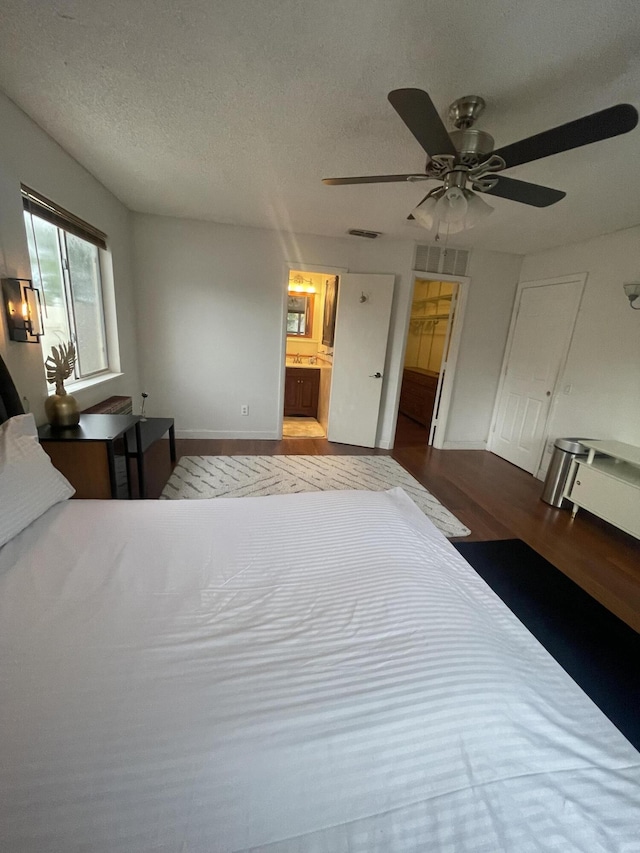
{"x":270,"y":435}
{"x":464,"y":445}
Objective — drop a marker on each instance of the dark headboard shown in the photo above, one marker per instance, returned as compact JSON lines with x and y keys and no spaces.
{"x":10,"y":403}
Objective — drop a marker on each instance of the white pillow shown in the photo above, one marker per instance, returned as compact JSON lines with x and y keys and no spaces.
{"x":29,"y":484}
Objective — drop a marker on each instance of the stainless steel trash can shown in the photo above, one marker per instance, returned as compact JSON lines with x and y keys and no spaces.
{"x":565,"y":451}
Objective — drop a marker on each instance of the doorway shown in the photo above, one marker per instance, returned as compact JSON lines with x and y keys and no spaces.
{"x":429,"y":358}
{"x":308,"y":353}
{"x":343,"y":353}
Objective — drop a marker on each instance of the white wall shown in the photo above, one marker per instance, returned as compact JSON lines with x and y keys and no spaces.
{"x":603,"y":365}
{"x":210,"y":303}
{"x":28,"y":155}
{"x":494,"y":279}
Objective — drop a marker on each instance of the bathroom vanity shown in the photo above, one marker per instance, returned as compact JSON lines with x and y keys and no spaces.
{"x":301,"y":390}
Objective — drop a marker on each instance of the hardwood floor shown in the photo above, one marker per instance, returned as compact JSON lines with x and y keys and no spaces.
{"x":493,"y":498}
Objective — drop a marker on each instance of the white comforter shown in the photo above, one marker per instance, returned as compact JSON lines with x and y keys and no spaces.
{"x":315,"y":672}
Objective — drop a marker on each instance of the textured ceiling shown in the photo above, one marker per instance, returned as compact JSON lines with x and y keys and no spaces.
{"x":233,"y":110}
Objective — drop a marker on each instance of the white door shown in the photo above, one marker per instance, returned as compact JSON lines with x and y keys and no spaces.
{"x":539,"y":343}
{"x":444,"y":367}
{"x":359,"y":351}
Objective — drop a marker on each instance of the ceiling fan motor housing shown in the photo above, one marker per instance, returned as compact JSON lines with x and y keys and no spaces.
{"x":472,"y":145}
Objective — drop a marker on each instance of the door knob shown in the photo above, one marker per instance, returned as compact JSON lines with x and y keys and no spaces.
{"x":548,"y":393}
{"x":375,"y":375}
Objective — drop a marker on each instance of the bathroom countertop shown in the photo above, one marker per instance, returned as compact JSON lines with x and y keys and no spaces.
{"x":305,"y":363}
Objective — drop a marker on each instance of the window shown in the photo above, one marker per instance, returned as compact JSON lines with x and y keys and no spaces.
{"x":300,"y":316}
{"x":65,"y":267}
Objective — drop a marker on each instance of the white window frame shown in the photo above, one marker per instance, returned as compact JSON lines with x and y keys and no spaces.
{"x":65,"y":224}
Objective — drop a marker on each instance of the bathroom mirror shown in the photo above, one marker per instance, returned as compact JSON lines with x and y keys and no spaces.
{"x":300,"y":315}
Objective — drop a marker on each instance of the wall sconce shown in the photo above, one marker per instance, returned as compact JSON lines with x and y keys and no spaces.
{"x":24,"y":314}
{"x":632,"y":289}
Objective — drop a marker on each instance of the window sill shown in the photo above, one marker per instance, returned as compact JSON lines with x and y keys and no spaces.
{"x":92,"y":382}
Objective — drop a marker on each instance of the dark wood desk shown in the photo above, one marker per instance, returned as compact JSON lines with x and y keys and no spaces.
{"x":146,"y":432}
{"x":87,"y":454}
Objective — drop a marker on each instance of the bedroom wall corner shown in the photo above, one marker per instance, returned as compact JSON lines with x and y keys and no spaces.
{"x":28,"y":155}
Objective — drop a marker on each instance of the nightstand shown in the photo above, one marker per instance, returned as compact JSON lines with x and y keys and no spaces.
{"x":145,"y":433}
{"x":94,"y":455}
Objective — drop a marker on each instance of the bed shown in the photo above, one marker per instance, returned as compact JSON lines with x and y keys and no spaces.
{"x":313,"y":672}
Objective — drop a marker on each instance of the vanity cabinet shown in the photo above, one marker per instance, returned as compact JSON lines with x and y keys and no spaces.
{"x":418,"y":394}
{"x":301,"y":388}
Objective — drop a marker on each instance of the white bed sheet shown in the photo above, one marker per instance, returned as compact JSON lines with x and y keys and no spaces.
{"x":315,"y":672}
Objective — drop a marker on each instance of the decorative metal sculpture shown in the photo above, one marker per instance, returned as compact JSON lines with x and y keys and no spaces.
{"x":61,"y":408}
{"x":59,"y":365}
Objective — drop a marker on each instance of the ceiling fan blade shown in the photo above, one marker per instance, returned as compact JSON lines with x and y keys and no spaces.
{"x":524,"y":192}
{"x":417,"y":111}
{"x":411,"y":216}
{"x":371,"y":179}
{"x":583,"y":131}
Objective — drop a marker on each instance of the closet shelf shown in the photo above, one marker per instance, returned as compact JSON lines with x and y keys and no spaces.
{"x":429,"y":300}
{"x":427,"y":317}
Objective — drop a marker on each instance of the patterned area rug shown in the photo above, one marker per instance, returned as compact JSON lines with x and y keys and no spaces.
{"x":197,"y":477}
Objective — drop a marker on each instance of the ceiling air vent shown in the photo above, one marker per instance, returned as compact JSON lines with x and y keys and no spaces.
{"x":446,"y":261}
{"x":359,"y":232}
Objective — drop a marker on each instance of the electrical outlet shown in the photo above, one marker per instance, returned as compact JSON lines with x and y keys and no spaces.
{"x":244,"y":409}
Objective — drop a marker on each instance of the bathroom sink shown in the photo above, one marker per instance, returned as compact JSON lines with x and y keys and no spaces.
{"x":304,"y":362}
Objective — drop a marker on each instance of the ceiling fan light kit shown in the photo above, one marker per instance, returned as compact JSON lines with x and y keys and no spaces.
{"x":451,"y":208}
{"x":467,"y":164}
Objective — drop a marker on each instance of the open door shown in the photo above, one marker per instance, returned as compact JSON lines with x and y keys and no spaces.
{"x":359,"y":352}
{"x":444,"y":365}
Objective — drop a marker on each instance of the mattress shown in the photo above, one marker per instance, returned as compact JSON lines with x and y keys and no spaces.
{"x":313,"y":672}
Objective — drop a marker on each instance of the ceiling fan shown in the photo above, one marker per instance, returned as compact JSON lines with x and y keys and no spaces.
{"x":466,"y":161}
